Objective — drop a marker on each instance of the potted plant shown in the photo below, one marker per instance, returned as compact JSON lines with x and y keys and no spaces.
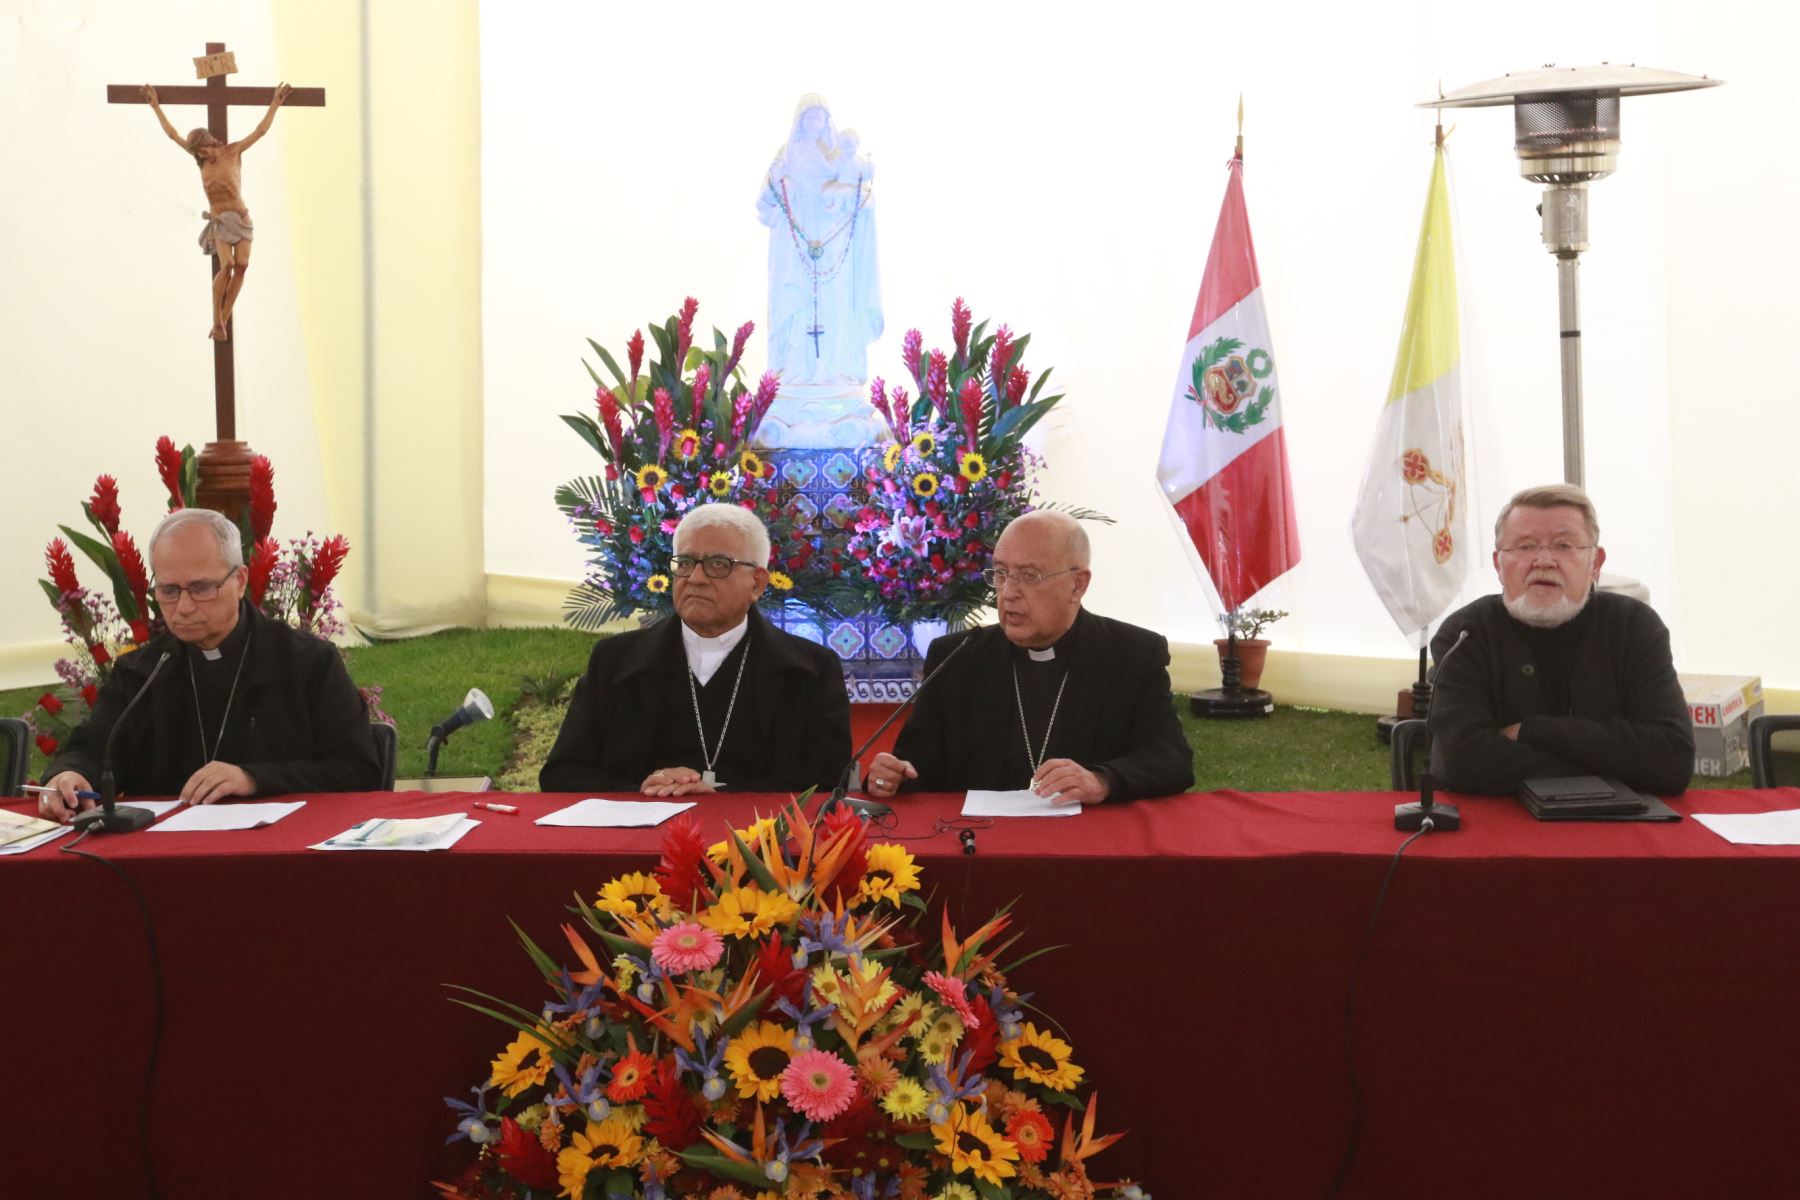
{"x":1247,"y":624}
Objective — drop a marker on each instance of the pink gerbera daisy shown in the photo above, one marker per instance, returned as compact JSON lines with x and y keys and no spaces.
{"x":819,"y":1085}
{"x":950,"y":990}
{"x":689,"y":946}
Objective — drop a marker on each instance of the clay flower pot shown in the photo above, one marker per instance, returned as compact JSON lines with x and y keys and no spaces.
{"x":1251,"y":652}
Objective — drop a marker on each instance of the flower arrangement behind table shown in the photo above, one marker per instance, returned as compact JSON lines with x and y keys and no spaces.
{"x":956,"y":472}
{"x":292,"y":585}
{"x":670,"y":437}
{"x":761,"y":1019}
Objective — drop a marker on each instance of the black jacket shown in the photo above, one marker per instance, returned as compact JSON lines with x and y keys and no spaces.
{"x":1117,"y":714}
{"x":607,"y":741}
{"x":1627,"y":718}
{"x":297,"y":723}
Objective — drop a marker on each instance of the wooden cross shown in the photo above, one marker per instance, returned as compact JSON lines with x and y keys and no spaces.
{"x":225,"y":463}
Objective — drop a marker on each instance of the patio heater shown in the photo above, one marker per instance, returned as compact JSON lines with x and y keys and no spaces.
{"x":1566,"y":132}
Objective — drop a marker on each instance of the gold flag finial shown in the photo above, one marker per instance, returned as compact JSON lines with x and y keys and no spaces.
{"x":1240,"y":134}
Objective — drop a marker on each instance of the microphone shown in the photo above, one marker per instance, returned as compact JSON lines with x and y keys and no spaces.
{"x":125,"y":818}
{"x":1423,"y":813}
{"x":475,"y":707}
{"x":872,"y":808}
{"x":967,"y":838}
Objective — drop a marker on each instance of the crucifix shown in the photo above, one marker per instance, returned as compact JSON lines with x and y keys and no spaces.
{"x":225,"y":463}
{"x":815,"y":333}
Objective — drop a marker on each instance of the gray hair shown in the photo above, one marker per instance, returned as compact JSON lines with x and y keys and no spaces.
{"x":1074,"y":537}
{"x":749,"y":528}
{"x":231,"y":541}
{"x":1552,"y":495}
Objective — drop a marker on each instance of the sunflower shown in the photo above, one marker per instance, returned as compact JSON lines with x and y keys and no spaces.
{"x":925,"y":484}
{"x":650,"y":477}
{"x":631,"y":1077}
{"x":634,"y":895}
{"x":974,"y":467}
{"x":890,"y":458}
{"x":513,"y":1073}
{"x":687,"y":443}
{"x":657,"y":584}
{"x":905,"y":1101}
{"x":751,"y":464}
{"x":748,"y":912}
{"x":780,"y":581}
{"x":611,"y":1143}
{"x":756,"y":1058}
{"x":1040,"y":1058}
{"x":720,"y":484}
{"x":923,"y":445}
{"x":972,"y":1145}
{"x":891,"y":873}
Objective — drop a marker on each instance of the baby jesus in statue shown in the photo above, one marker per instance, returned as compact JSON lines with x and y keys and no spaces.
{"x":228,"y":231}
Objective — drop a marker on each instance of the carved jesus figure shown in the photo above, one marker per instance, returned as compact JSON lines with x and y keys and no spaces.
{"x":227,"y":232}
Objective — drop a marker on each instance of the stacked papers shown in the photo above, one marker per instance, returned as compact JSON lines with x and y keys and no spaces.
{"x":1755,"y":829}
{"x":616,"y":814}
{"x":19,"y":833}
{"x":402,"y":833}
{"x":1024,"y":803}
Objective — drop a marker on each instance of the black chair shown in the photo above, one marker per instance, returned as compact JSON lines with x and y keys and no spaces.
{"x":1763,"y":757}
{"x":387,"y":749}
{"x":1409,"y":754}
{"x":15,"y":755}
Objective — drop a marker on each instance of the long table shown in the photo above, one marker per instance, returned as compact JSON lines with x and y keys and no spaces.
{"x":1544,"y":1010}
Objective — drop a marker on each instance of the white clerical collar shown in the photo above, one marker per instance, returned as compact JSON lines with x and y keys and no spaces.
{"x":704,"y":654}
{"x":213,"y":655}
{"x":1047,"y":654}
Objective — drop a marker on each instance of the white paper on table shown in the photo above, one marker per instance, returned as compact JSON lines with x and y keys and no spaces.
{"x":158,"y":808}
{"x":402,"y":833}
{"x":1022,"y":803}
{"x":616,"y":814}
{"x":1755,"y":829}
{"x":32,"y":843}
{"x":213,"y":817}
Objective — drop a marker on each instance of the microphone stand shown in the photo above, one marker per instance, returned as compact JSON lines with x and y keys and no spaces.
{"x":1423,"y":813}
{"x":874,"y":808}
{"x":124,"y":818}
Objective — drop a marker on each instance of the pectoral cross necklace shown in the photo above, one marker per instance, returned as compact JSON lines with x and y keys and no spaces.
{"x":707,"y":776}
{"x":243,"y":657}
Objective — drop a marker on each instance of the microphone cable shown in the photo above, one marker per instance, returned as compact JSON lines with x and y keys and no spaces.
{"x":1362,"y":953}
{"x":156,"y":1029}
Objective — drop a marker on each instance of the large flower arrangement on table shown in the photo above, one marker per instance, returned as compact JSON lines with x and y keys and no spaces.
{"x":762,"y":1019}
{"x":291,"y":584}
{"x":671,"y":436}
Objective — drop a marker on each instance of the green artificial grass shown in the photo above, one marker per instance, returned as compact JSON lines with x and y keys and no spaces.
{"x":527,"y":673}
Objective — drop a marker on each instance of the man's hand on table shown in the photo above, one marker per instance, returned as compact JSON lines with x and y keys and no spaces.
{"x":675,"y":781}
{"x":885,"y":774}
{"x":217,"y":781}
{"x":1066,"y":781}
{"x":62,"y":806}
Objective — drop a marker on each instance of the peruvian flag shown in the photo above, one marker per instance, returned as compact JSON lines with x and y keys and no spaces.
{"x":1224,"y":462}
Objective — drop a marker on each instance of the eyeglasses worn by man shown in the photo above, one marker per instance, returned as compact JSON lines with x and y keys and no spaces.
{"x":246,"y":706}
{"x":1055,"y":698}
{"x":1556,"y":677}
{"x":718,"y":699}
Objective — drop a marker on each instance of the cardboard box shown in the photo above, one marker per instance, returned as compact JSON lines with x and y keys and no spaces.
{"x":1721,"y":707}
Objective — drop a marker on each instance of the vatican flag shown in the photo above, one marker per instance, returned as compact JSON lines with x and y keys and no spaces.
{"x":1411,"y":527}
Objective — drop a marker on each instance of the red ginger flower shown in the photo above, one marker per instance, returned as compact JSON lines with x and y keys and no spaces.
{"x":104,"y":504}
{"x":702,"y":381}
{"x":131,"y":563}
{"x":1016,"y":384}
{"x":960,"y":320}
{"x":523,"y":1157}
{"x":262,"y":497}
{"x":325,"y":565}
{"x":90,"y":693}
{"x":937,"y":381}
{"x":168,"y":465}
{"x":842,"y":821}
{"x":981,"y":1042}
{"x":50,"y":704}
{"x":775,"y":970}
{"x":912,"y":350}
{"x":681,"y":872}
{"x":140,"y":632}
{"x":1001,"y":361}
{"x":61,"y":566}
{"x":671,"y":1115}
{"x":100,"y":654}
{"x":609,"y":417}
{"x":740,"y":420}
{"x":767,"y":388}
{"x":262,"y":561}
{"x":737,"y":345}
{"x":634,"y":350}
{"x":684,"y":330}
{"x":47,"y":744}
{"x":663,"y":408}
{"x":901,"y":405}
{"x":968,"y":406}
{"x":878,"y":400}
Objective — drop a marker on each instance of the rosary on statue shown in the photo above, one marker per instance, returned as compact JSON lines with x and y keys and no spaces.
{"x":812,"y":250}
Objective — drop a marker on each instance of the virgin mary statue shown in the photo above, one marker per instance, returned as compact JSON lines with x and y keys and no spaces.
{"x":824,"y":284}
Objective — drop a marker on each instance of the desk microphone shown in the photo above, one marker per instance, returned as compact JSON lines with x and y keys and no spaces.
{"x":967,"y":838}
{"x":1422,"y":813}
{"x":871,"y":808}
{"x":124,"y":819}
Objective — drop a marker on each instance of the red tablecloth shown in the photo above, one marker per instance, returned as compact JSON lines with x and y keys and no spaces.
{"x":1547,"y":1010}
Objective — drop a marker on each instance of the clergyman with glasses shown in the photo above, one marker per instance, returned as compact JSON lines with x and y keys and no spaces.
{"x":718,"y":699}
{"x":1054,"y":698}
{"x":245,"y":706}
{"x":1555,"y":676}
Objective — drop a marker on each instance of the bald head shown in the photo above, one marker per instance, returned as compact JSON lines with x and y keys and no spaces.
{"x":1057,"y":530}
{"x":1050,"y":550}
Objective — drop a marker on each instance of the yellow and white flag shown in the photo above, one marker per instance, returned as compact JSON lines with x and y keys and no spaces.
{"x":1411,"y":521}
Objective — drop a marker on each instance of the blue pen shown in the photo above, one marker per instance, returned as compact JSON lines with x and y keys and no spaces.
{"x":35,"y":790}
